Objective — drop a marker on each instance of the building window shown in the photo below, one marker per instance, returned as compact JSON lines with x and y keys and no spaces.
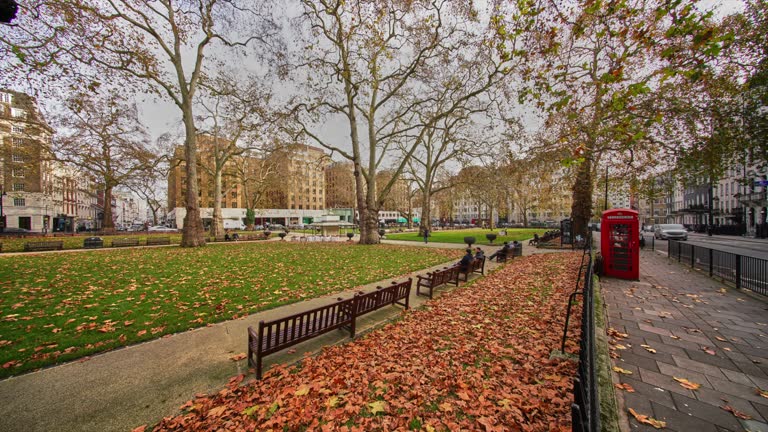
{"x":6,"y":98}
{"x":19,"y":202}
{"x":234,"y":204}
{"x":17,"y":129}
{"x":18,"y":142}
{"x":18,"y":172}
{"x":19,"y":187}
{"x":18,"y":158}
{"x":234,"y":194}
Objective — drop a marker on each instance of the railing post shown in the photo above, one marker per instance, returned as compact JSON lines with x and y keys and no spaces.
{"x":679,"y":251}
{"x":711,"y":263}
{"x":738,"y":271}
{"x":693,"y":256}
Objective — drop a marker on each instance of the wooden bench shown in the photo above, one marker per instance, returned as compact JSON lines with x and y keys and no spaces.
{"x":476,"y":266}
{"x":93,"y":243}
{"x":156,"y":241}
{"x":276,"y":335}
{"x":436,"y":278}
{"x":125,"y":242}
{"x":43,"y":245}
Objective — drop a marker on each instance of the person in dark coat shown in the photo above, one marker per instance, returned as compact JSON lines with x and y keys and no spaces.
{"x":501,"y":252}
{"x":466,"y":260}
{"x":479,"y":254}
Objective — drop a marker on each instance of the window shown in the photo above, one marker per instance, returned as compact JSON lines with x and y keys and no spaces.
{"x":17,"y":158}
{"x":234,"y":194}
{"x":18,"y":172}
{"x":18,"y":186}
{"x":234,"y":204}
{"x":18,"y":142}
{"x":6,"y":98}
{"x":19,"y":202}
{"x":17,"y":129}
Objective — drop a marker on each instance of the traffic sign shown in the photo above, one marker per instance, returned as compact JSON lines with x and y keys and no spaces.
{"x":761,"y":182}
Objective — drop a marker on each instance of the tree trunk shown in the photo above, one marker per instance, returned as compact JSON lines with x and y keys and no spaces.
{"x":490,"y":217}
{"x":217,"y":224}
{"x":107,"y":223}
{"x":426,"y":216}
{"x":193,"y":234}
{"x":581,"y":209}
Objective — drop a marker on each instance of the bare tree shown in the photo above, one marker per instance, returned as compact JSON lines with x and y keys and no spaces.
{"x":374,"y":63}
{"x":159,"y":45}
{"x":238,"y":122}
{"x":101,"y":134}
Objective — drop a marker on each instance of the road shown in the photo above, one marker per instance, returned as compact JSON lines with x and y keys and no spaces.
{"x":757,"y":248}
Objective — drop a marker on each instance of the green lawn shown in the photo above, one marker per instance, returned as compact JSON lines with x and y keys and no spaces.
{"x":457,"y":236}
{"x":60,"y":306}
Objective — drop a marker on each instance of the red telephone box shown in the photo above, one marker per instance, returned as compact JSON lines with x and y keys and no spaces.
{"x":620,"y":243}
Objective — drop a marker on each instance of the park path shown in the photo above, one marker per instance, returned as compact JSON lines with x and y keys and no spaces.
{"x":139,"y":384}
{"x":702,"y":331}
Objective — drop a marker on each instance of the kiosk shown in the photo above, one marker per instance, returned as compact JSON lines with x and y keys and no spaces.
{"x":620,"y":243}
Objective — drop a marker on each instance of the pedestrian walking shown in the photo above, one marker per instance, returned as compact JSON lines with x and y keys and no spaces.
{"x":426,"y":235}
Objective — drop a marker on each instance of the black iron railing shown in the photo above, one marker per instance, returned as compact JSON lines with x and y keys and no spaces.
{"x":744,"y":271}
{"x":585,"y":410}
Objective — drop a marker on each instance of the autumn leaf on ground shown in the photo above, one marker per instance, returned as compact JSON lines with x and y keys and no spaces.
{"x":690,"y":385}
{"x":649,"y":349}
{"x":217,"y":412}
{"x":736,"y":412}
{"x":139,"y":428}
{"x":721,"y":339}
{"x":708,"y":350}
{"x":675,"y":337}
{"x":644,"y":419}
{"x":377,"y":407}
{"x":238,"y":357}
{"x":625,"y":386}
{"x":621,"y":371}
{"x":301,"y":391}
{"x":615,"y":333}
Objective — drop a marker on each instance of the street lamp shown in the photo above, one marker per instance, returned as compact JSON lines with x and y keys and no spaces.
{"x":2,"y":215}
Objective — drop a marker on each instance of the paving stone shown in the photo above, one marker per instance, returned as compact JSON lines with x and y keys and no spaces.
{"x":678,"y":372}
{"x":717,"y":400}
{"x":663,"y":381}
{"x":657,"y":356}
{"x":681,"y":422}
{"x":706,"y":412}
{"x":652,"y":329}
{"x":698,"y":366}
{"x":715,"y":360}
{"x":735,"y":389}
{"x":737,"y":377}
{"x":754,"y":426}
{"x":645,"y":362}
{"x":750,"y":369}
{"x":654,"y":393}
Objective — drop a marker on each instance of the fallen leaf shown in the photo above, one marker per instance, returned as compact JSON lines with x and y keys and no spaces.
{"x":644,"y":419}
{"x":139,"y":428}
{"x":377,"y":407}
{"x":721,"y":339}
{"x":624,"y":386}
{"x":763,"y":393}
{"x":238,"y":357}
{"x":690,"y":385}
{"x":621,"y":371}
{"x":736,"y":412}
{"x":303,"y":390}
{"x":649,"y":349}
{"x":708,"y":350}
{"x":217,"y":412}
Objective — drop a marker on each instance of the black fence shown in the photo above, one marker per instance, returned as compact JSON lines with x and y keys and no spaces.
{"x":585,"y":411}
{"x":744,"y":271}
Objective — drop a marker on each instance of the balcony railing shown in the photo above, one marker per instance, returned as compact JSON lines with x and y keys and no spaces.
{"x":754,"y":197}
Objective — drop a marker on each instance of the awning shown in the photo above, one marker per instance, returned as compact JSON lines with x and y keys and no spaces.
{"x":416,"y":220}
{"x":402,"y":220}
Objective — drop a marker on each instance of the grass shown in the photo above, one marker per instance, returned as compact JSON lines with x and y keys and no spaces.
{"x":58,"y":307}
{"x":457,"y":236}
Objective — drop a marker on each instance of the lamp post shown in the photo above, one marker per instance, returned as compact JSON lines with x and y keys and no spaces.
{"x":605,"y":206}
{"x":2,"y":215}
{"x":711,"y":204}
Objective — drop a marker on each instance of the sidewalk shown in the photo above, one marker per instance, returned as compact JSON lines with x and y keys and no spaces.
{"x":139,"y":384}
{"x":701,"y":331}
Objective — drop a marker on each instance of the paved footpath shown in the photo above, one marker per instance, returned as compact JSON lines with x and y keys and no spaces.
{"x":122,"y":389}
{"x":702,"y":331}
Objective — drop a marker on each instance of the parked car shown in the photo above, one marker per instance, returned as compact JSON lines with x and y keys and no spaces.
{"x":670,"y":231}
{"x":160,"y":228}
{"x":13,"y":231}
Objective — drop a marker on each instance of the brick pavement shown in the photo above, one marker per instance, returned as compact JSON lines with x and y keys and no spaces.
{"x":702,"y":331}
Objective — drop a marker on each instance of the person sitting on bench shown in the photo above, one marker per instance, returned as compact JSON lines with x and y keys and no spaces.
{"x":501,"y":252}
{"x":466,"y":260}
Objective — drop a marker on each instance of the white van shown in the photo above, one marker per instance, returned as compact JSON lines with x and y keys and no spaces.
{"x":234,"y":224}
